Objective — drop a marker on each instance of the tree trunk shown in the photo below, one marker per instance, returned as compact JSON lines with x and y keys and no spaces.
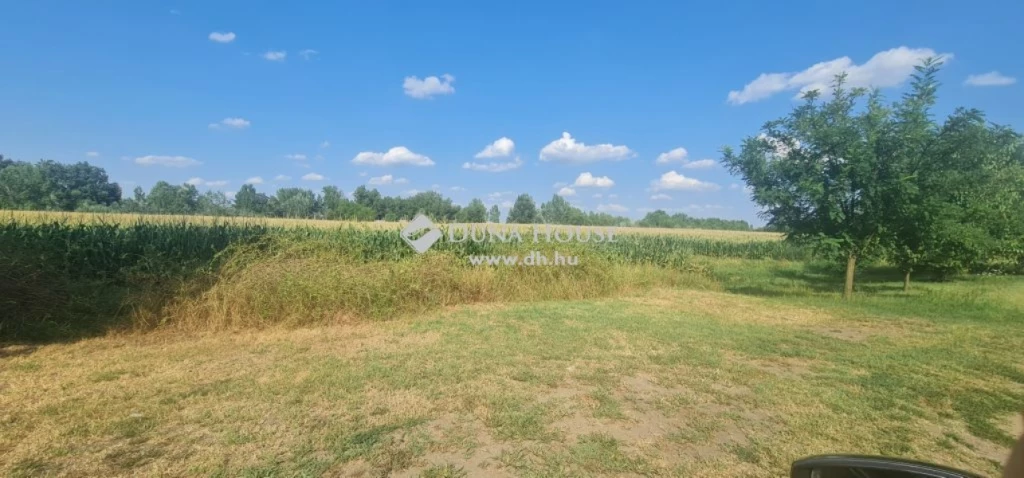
{"x":906,"y":281}
{"x":851,"y":266}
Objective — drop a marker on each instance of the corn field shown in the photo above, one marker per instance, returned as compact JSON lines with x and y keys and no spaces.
{"x":168,"y":248}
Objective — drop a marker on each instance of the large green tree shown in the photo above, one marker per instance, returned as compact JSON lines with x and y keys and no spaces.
{"x":816,"y":172}
{"x":475,"y":212}
{"x":559,"y":211}
{"x":524,"y":211}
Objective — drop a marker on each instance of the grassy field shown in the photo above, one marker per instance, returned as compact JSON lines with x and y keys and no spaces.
{"x":748,"y":367}
{"x":192,"y":346}
{"x":37,"y":217}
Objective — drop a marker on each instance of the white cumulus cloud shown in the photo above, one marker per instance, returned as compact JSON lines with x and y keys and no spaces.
{"x":428,"y":87}
{"x":992,"y":78}
{"x":569,"y":150}
{"x":295,"y":157}
{"x":501,"y":148}
{"x":567,"y":191}
{"x":885,"y":69}
{"x":308,"y":53}
{"x":587,"y":180}
{"x":282,"y":177}
{"x":313,"y":177}
{"x":399,"y":155}
{"x":456,"y":189}
{"x":675,"y":181}
{"x":386,"y":179}
{"x":225,"y":37}
{"x":168,"y":161}
{"x":254,"y":180}
{"x":195,"y":181}
{"x":275,"y":55}
{"x":675,"y":155}
{"x":661,"y":197}
{"x":700,"y":164}
{"x":92,"y":154}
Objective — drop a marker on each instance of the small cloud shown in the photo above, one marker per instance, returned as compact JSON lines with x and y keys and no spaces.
{"x":275,"y":55}
{"x":706,"y":207}
{"x":435,"y":187}
{"x":675,"y":181}
{"x":501,"y":148}
{"x":701,"y":164}
{"x":362,"y":174}
{"x":167,"y":161}
{"x":495,"y":196}
{"x":225,"y":37}
{"x":569,"y":150}
{"x":661,"y":197}
{"x":326,"y":144}
{"x":254,"y":180}
{"x":399,"y":155}
{"x":312,"y":177}
{"x":295,"y":157}
{"x":282,"y":177}
{"x":735,"y":186}
{"x":456,"y":189}
{"x":992,"y":78}
{"x":567,"y":191}
{"x":308,"y":53}
{"x":411,"y":192}
{"x":597,"y":196}
{"x":201,"y":182}
{"x":231,"y":123}
{"x":610,"y":208}
{"x":559,"y":184}
{"x":613,"y":196}
{"x":587,"y":180}
{"x":494,"y":167}
{"x":428,"y":87}
{"x":386,"y":179}
{"x":675,"y":155}
{"x":92,"y":154}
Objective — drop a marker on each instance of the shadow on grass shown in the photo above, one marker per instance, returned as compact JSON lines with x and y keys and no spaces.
{"x":53,"y":307}
{"x":877,"y":290}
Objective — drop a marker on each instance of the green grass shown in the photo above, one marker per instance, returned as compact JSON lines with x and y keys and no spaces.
{"x":717,"y":380}
{"x":66,"y":280}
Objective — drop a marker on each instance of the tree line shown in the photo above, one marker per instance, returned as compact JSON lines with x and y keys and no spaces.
{"x":860,"y":179}
{"x":49,"y":185}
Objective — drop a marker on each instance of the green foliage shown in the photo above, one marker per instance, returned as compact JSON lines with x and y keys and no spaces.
{"x":53,"y":186}
{"x":494,"y":215}
{"x":861,"y":180}
{"x":524,"y":211}
{"x":475,"y":212}
{"x":662,"y":219}
{"x":64,"y":280}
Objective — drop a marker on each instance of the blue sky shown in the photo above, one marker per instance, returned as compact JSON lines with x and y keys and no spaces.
{"x":227,"y":91}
